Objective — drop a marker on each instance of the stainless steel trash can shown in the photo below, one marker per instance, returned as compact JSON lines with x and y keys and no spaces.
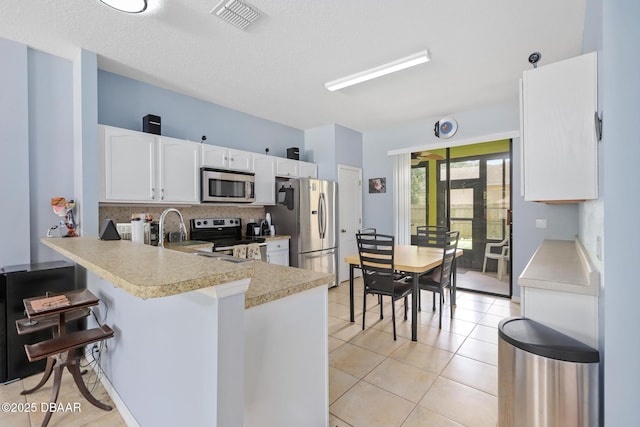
{"x":545,"y":378}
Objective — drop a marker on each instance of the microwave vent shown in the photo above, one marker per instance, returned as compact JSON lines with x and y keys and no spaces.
{"x":237,"y":13}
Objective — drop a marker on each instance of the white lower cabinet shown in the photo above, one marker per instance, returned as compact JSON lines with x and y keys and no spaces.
{"x":278,"y":252}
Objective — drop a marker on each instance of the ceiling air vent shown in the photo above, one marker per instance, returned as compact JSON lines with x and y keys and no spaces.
{"x":236,"y":13}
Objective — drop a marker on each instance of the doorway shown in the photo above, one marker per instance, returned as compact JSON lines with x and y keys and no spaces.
{"x":468,"y":188}
{"x":350,"y":214}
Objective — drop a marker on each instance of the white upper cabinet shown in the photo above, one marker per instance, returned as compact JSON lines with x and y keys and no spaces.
{"x":138,"y":167}
{"x":143,"y":167}
{"x":225,"y":158}
{"x":287,"y":167}
{"x":128,"y":165}
{"x":265,"y":170}
{"x":307,"y":170}
{"x":179,"y":170}
{"x":560,"y":148}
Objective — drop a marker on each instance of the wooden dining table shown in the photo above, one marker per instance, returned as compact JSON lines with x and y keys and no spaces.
{"x":411,"y":259}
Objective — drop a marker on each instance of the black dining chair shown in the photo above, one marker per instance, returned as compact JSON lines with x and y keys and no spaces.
{"x":368,"y":230}
{"x":431,"y":236}
{"x":376,"y":260}
{"x":440,"y":279}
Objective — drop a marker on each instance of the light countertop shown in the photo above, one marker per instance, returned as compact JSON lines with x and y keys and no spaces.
{"x":151,"y":272}
{"x":561,"y":265}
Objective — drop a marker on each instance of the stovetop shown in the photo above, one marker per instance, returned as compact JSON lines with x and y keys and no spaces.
{"x":222,"y":232}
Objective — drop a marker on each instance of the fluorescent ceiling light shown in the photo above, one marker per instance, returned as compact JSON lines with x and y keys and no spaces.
{"x":391,"y":67}
{"x":129,"y":6}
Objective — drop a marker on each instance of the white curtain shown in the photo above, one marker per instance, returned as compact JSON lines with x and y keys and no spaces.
{"x":402,"y":198}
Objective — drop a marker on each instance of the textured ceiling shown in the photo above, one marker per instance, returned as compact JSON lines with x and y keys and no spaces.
{"x":277,"y":68}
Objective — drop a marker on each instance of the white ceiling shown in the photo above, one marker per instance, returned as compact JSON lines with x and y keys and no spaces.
{"x":277,"y":68}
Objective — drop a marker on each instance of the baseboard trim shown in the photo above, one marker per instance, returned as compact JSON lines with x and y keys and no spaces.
{"x":126,"y":415}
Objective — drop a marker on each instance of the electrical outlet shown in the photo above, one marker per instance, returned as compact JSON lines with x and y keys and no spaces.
{"x":541,"y":223}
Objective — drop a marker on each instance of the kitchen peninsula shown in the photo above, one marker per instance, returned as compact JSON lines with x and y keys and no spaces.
{"x":200,"y":341}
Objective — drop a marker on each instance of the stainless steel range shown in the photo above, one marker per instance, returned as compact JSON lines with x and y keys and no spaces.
{"x":224,"y":233}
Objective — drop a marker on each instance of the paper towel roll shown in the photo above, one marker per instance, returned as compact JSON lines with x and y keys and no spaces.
{"x":137,"y":231}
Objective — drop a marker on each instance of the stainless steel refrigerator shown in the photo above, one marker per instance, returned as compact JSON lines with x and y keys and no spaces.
{"x":306,"y":210}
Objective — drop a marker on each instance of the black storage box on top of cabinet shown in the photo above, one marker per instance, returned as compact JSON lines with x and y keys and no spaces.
{"x":151,"y":124}
{"x":26,"y":281}
{"x":293,"y":153}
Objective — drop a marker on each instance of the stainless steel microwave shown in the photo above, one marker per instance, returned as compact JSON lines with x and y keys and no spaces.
{"x":219,"y":185}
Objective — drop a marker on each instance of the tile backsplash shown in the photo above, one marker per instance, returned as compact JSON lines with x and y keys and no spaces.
{"x":122,"y":213}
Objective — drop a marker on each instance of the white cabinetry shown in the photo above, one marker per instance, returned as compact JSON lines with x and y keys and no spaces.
{"x":225,"y":158}
{"x":296,"y":169}
{"x":278,"y":252}
{"x":307,"y":170}
{"x":560,"y":289}
{"x":265,"y":170}
{"x":287,"y":167}
{"x":560,"y":149}
{"x":179,"y":170}
{"x":127,"y":166}
{"x":143,"y":167}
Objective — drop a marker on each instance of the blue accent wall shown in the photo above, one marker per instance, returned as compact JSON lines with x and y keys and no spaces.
{"x":123,"y":102}
{"x":621,"y":148}
{"x":14,"y":154}
{"x":51,"y":155}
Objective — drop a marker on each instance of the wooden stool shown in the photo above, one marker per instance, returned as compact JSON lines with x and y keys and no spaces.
{"x":61,"y":349}
{"x":27,"y":326}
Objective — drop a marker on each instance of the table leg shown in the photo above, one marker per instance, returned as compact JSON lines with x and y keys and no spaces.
{"x":351,"y":309}
{"x":414,"y":308}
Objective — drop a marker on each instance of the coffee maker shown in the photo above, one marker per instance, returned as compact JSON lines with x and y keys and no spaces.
{"x":264,"y":228}
{"x":251,"y":229}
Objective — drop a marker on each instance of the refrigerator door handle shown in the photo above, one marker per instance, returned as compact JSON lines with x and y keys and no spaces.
{"x":322,"y":219}
{"x":325,"y":253}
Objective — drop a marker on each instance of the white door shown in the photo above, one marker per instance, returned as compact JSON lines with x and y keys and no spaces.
{"x":350,"y":215}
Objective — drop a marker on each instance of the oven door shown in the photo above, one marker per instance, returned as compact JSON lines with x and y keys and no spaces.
{"x":225,"y":186}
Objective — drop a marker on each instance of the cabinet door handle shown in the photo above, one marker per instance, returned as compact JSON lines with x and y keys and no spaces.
{"x":162,"y":194}
{"x":153,"y":193}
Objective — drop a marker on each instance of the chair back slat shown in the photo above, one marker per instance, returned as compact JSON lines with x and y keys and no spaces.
{"x":376,"y":259}
{"x":431,"y":235}
{"x":449,"y":255}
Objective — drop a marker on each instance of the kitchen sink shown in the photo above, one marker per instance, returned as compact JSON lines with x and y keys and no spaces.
{"x":222,"y":257}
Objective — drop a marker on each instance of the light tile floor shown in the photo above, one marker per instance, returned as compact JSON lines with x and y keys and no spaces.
{"x":448,"y":378}
{"x":75,"y":411}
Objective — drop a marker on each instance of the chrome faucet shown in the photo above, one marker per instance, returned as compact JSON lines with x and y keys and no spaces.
{"x":183,"y":228}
